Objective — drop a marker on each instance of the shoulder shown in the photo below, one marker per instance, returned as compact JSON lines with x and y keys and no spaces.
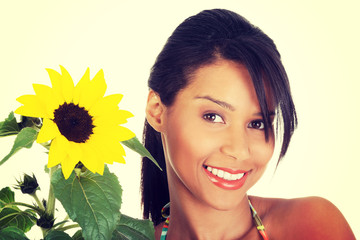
{"x":318,"y":218}
{"x":158,"y":230}
{"x":305,"y":218}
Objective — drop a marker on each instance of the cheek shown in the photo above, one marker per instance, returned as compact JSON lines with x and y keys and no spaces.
{"x":187,"y":145}
{"x":262,"y":153}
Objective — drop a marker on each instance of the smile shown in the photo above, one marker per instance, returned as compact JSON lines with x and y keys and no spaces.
{"x":225,"y":175}
{"x":226,"y":178}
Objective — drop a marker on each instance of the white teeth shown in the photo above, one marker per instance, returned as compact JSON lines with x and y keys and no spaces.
{"x":239,"y":175}
{"x":225,"y":175}
{"x":220,"y":173}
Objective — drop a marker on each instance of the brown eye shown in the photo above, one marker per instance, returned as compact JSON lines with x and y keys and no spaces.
{"x":213,"y":117}
{"x":257,"y":124}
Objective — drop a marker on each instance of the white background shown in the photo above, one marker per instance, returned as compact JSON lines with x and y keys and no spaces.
{"x":318,"y":40}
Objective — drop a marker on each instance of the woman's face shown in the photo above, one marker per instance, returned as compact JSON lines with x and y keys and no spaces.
{"x":213,"y":136}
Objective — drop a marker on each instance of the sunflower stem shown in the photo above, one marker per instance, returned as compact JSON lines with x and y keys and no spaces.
{"x":65,"y":219}
{"x":50,"y":206}
{"x":44,"y":231}
{"x":68,"y":227}
{"x":38,"y":202}
{"x":46,"y":145}
{"x":36,"y":209}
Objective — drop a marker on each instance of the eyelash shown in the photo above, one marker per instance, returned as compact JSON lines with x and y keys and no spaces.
{"x":258,"y":121}
{"x":211,"y":117}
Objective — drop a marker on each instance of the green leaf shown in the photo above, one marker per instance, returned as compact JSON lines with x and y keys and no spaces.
{"x":91,"y":200}
{"x":9,"y":126}
{"x":12,"y":233}
{"x":78,"y":236}
{"x":11,"y":217}
{"x":135,"y":145}
{"x":6,"y":196}
{"x":57,"y":235}
{"x":134,"y":229}
{"x":24,"y":139}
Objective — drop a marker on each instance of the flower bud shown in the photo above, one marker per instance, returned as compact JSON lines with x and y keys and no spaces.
{"x":29,"y":185}
{"x":45,"y":221}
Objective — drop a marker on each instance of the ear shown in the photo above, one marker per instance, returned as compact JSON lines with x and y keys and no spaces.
{"x":155,"y":111}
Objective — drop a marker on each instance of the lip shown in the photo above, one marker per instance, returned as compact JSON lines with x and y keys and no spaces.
{"x":227,"y":184}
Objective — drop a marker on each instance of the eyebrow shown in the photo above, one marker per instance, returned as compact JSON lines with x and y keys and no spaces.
{"x":227,"y":105}
{"x":220,"y":103}
{"x":271,"y":114}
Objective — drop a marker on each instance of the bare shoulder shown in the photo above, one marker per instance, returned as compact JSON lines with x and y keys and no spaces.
{"x":304,"y":218}
{"x":158,"y":230}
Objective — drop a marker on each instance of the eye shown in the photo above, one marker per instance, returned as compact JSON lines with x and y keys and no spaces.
{"x":213,"y":117}
{"x":257,"y":124}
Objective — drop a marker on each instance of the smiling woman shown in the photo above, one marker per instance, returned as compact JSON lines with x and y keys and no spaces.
{"x":214,"y":90}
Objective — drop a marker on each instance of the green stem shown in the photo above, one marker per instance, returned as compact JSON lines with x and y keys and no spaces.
{"x":44,"y":231}
{"x":67,"y":227}
{"x":45,"y":145}
{"x":65,"y":219}
{"x":39,"y":203}
{"x":38,"y":210}
{"x":50,"y":206}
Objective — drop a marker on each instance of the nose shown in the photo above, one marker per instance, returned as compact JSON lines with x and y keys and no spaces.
{"x":236,"y":144}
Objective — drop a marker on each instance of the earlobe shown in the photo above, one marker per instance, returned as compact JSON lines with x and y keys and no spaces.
{"x":155,"y":111}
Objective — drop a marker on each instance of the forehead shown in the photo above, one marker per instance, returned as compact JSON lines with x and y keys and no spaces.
{"x":226,"y":80}
{"x":223,"y":78}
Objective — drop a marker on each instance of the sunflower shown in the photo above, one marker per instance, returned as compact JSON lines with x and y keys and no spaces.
{"x":82,"y":125}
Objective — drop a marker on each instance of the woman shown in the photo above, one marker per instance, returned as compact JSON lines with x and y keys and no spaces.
{"x":216,"y":89}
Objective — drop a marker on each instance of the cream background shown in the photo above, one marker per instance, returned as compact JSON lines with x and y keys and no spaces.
{"x":318,"y":41}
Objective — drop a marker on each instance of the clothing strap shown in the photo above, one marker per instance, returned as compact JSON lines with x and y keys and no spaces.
{"x":258,"y":223}
{"x":256,"y":219}
{"x":165,"y":229}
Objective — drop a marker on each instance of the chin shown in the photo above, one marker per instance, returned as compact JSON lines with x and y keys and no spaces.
{"x":225,"y":201}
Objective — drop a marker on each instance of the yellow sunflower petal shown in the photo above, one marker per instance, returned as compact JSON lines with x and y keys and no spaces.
{"x":33,"y":107}
{"x":94,"y":92}
{"x":106,"y":104}
{"x":56,"y":79}
{"x":123,"y":133}
{"x":99,"y":83}
{"x":81,"y":86}
{"x":112,"y":118}
{"x":122,"y":116}
{"x":67,"y":166}
{"x":58,"y":151}
{"x":110,"y":150}
{"x":120,"y":159}
{"x":90,"y":158}
{"x":75,"y":151}
{"x":114,"y":132}
{"x":49,"y":131}
{"x":100,"y":168}
{"x":47,"y":96}
{"x":117,"y":152}
{"x":67,"y":85}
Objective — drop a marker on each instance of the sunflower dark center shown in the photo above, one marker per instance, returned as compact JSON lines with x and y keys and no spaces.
{"x":74,"y":122}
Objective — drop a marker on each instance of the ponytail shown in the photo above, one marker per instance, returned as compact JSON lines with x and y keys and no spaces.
{"x":154,"y":186}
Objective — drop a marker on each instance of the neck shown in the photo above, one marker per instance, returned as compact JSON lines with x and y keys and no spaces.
{"x":192,"y":219}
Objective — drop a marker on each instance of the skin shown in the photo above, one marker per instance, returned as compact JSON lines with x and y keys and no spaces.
{"x":215,"y":121}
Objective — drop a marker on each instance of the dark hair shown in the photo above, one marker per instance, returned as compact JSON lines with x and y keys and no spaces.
{"x":200,"y":40}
